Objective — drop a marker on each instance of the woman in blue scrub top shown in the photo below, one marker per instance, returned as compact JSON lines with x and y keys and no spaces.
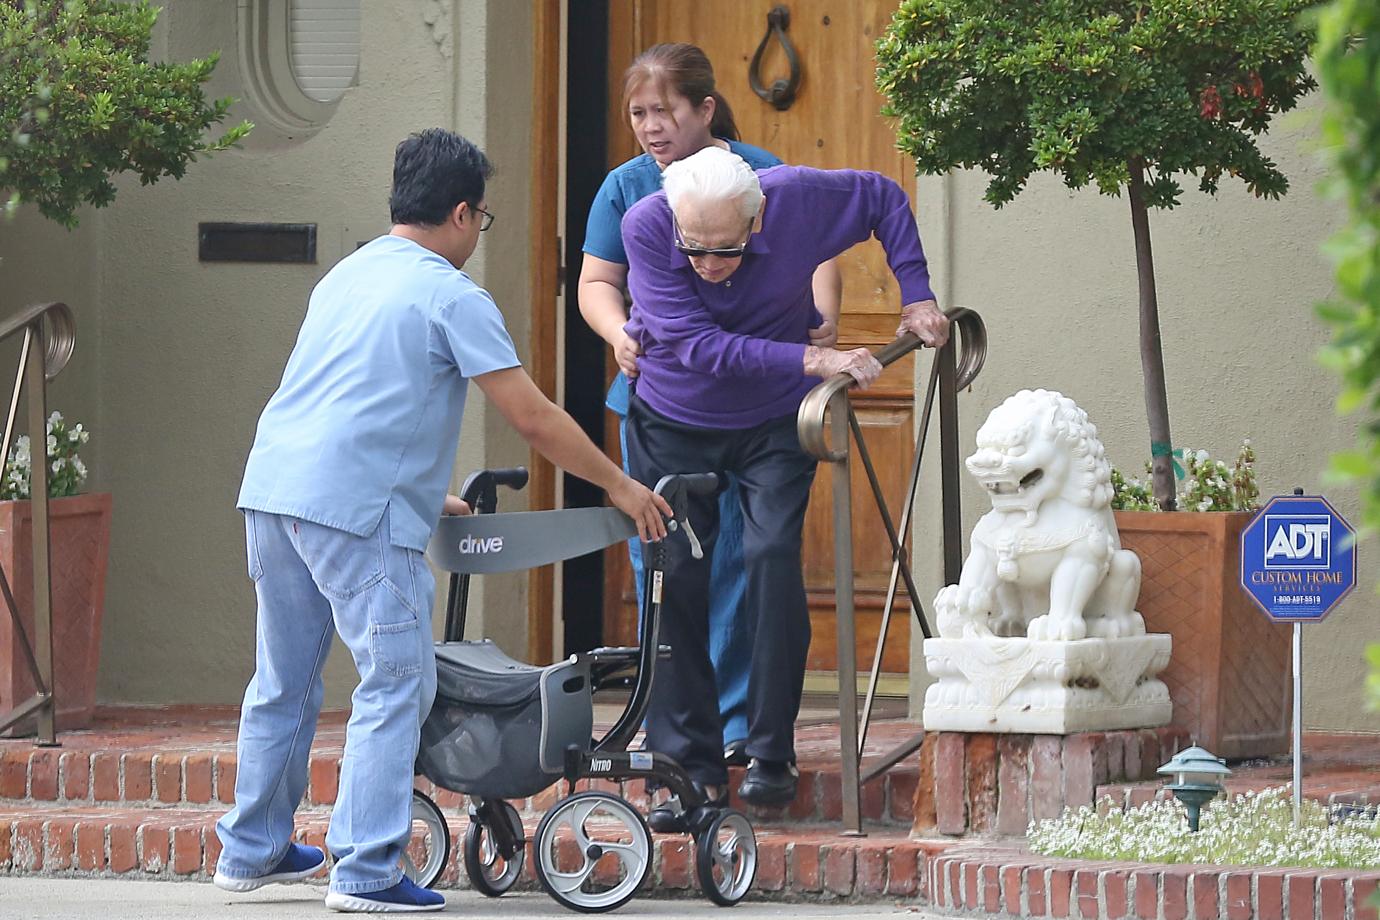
{"x":674,"y":111}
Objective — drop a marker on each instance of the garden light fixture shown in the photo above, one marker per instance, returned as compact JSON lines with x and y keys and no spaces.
{"x":1197,"y":780}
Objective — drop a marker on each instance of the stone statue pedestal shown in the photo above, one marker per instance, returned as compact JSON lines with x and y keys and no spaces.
{"x":990,"y":684}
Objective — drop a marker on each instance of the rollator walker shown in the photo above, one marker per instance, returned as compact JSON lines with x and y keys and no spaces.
{"x":502,"y":729}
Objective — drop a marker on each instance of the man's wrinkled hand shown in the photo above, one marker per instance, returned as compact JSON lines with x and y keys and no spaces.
{"x":626,"y":353}
{"x":927,"y":321}
{"x":857,"y":363}
{"x":825,"y":335}
{"x":648,"y":510}
{"x":454,"y":504}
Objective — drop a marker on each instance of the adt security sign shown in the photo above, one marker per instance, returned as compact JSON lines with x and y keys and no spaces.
{"x":1297,"y":558}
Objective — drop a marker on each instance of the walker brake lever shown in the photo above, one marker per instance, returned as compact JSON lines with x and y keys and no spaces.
{"x":695,"y":549}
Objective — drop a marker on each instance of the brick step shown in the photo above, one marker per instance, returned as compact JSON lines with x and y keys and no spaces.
{"x":169,"y":775}
{"x":180,"y":843}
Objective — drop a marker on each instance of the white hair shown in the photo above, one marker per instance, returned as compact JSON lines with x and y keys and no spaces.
{"x":713,"y":174}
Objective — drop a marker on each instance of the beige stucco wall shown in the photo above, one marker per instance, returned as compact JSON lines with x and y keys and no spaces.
{"x":1053,"y":275}
{"x":177,"y":357}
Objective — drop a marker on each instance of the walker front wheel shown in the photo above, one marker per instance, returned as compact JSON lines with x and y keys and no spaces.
{"x":726,"y":858}
{"x":593,"y":851}
{"x":428,"y":849}
{"x":491,"y":870}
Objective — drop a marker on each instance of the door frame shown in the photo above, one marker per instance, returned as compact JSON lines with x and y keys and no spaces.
{"x":545,"y":267}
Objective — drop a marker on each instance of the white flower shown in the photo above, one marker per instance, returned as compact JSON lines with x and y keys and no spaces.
{"x":80,"y":467}
{"x":57,"y":465}
{"x":1202,"y":456}
{"x":55,"y":417}
{"x":52,"y":443}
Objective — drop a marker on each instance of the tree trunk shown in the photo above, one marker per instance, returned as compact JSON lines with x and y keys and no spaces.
{"x":1151,"y":350}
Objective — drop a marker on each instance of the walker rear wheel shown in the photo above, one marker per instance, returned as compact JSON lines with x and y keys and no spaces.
{"x":491,"y":871}
{"x":593,"y":851}
{"x":726,"y":858}
{"x":428,"y":849}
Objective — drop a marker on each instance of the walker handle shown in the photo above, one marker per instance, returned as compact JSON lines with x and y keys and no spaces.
{"x":480,"y":490}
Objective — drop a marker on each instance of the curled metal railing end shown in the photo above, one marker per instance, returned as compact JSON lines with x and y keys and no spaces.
{"x":60,"y":337}
{"x":59,"y":332}
{"x":967,"y":333}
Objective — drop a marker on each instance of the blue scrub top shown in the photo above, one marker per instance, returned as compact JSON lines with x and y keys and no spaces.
{"x":367,"y":416}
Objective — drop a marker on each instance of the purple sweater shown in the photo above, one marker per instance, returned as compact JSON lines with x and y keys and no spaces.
{"x":730,"y":355}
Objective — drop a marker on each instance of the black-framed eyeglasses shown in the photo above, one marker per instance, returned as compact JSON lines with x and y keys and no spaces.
{"x":488,"y":220}
{"x":697,"y":252}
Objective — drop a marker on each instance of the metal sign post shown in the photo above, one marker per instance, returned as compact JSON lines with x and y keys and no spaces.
{"x":1298,"y":722}
{"x":1298,"y":560}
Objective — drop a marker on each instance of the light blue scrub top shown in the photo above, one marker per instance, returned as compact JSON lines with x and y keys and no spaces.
{"x":368,"y":412}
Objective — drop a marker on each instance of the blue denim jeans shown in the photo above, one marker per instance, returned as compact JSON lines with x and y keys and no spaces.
{"x":313,"y":582}
{"x":731,"y":624}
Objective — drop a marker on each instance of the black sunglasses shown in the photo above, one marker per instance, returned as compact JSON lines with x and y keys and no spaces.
{"x":696,"y":252}
{"x":488,"y":220}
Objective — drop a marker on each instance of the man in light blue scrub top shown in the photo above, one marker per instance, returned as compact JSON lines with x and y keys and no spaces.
{"x":344,"y":484}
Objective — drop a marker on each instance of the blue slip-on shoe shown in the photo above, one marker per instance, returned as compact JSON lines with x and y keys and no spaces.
{"x":299,"y":863}
{"x":401,"y":898}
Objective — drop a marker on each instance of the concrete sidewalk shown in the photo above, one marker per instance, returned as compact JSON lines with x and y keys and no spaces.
{"x":121,"y":899}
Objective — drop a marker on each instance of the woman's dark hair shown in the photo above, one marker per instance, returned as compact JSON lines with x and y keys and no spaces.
{"x":685,"y":69}
{"x":433,"y":171}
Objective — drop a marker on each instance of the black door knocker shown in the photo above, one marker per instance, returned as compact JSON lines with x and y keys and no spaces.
{"x":782,"y":92}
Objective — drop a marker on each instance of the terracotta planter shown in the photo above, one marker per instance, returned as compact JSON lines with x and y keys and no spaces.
{"x":1229,"y":673}
{"x":80,"y":539}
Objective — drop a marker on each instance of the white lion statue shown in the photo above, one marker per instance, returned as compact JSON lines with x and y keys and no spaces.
{"x":1046,"y":562}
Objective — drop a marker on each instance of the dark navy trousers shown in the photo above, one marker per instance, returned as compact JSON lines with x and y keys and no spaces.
{"x":774,"y":476}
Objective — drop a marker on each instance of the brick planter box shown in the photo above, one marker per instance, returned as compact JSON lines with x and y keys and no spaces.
{"x":1229,"y":673}
{"x":975,"y":783}
{"x":79,"y":534}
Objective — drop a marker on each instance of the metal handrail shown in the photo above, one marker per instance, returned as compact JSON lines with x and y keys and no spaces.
{"x":823,"y":424}
{"x":965,"y":325}
{"x":52,"y":326}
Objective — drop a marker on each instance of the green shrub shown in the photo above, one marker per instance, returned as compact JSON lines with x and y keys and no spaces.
{"x":80,"y":102}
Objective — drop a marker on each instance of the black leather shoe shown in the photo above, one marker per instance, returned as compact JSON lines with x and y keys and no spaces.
{"x":669,"y":817}
{"x":769,"y":782}
{"x":735,"y":753}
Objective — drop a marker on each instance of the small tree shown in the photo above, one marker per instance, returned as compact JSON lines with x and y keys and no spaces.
{"x":1114,"y":93}
{"x":80,"y":102}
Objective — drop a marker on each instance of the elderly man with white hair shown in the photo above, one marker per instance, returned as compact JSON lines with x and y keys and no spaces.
{"x":719,"y":267}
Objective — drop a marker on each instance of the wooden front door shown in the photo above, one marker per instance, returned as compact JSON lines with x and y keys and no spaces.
{"x":833,"y":123}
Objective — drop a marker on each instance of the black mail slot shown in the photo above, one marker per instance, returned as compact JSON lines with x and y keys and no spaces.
{"x":244,"y":242}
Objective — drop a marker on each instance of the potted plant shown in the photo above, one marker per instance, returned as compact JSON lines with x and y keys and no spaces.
{"x":79,"y":536}
{"x":1124,"y":96}
{"x":1227,"y":675}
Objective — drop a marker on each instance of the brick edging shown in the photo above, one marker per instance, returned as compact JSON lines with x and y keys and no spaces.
{"x":176,"y":779}
{"x":1015,"y":883}
{"x":796,"y":863}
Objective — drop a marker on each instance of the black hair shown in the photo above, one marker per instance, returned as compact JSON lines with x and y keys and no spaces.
{"x":433,"y":171}
{"x":685,"y":69}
